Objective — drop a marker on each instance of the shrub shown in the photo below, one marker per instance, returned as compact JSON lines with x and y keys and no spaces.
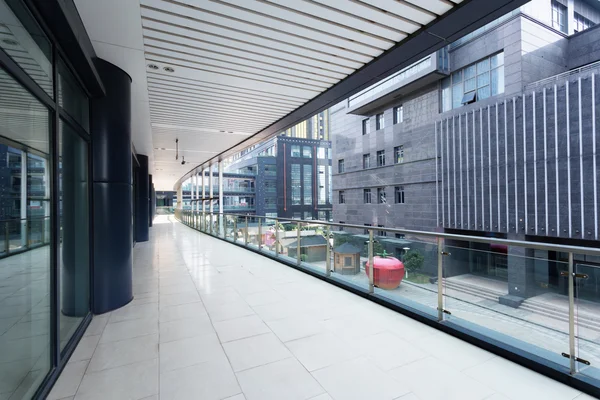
{"x":413,"y":261}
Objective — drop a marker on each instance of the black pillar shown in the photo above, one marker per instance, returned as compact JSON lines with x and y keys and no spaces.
{"x":143,"y":200}
{"x":150,"y":204}
{"x":112,"y":214}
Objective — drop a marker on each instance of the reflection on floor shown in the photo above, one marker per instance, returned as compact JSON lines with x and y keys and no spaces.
{"x":25,"y":322}
{"x":213,"y":321}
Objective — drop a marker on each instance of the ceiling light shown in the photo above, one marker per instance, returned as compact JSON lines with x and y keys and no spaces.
{"x":169,"y":69}
{"x":152,"y":66}
{"x":10,"y":42}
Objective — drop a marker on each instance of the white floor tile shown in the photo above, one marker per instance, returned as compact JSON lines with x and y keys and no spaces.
{"x":254,"y":351}
{"x":359,"y":379}
{"x":296,"y":327}
{"x":69,"y":380}
{"x":450,"y":383}
{"x":322,"y":350}
{"x":133,"y":381}
{"x":229,"y":311}
{"x":388,"y":351}
{"x":85,"y":348}
{"x":209,"y":380}
{"x":182,"y":311}
{"x":123,"y":352}
{"x":261,"y":298}
{"x":185,"y":328}
{"x":524,"y":383}
{"x":96,"y":327}
{"x":188,"y":352}
{"x":285,"y":379}
{"x":178,"y":298}
{"x":239,"y":328}
{"x":129,"y":329}
{"x":134,"y":311}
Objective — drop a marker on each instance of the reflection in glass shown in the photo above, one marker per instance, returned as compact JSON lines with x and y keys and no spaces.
{"x":72,"y":98}
{"x":24,"y":263}
{"x":74,"y":260}
{"x":26,"y":44}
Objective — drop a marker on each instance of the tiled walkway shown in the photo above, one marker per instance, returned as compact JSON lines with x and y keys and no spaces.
{"x":213,"y":321}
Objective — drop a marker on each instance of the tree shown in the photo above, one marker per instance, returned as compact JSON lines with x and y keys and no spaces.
{"x":413,"y":261}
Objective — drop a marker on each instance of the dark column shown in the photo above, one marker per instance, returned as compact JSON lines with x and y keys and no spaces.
{"x":143,"y":200}
{"x":113,"y":230}
{"x":151,"y":202}
{"x":521,"y":275}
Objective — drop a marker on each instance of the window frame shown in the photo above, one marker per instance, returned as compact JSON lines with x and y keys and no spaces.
{"x":365,"y":126}
{"x":341,"y":166}
{"x":366,"y":160}
{"x":367,"y":196}
{"x":399,"y":154}
{"x":379,"y":122}
{"x":381,"y":158}
{"x":342,"y":197}
{"x":398,"y":114}
{"x":399,"y":195}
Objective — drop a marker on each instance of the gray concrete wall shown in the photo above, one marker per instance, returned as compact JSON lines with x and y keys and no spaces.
{"x":584,"y":48}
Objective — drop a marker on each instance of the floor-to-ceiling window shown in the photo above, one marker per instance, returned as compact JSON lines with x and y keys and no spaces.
{"x":44,"y":206}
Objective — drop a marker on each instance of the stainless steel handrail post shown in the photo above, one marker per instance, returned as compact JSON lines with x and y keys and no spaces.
{"x":298,"y":248}
{"x":440,"y":282}
{"x":371,"y":261}
{"x":246,"y":233}
{"x":328,"y":253}
{"x":572,"y":355}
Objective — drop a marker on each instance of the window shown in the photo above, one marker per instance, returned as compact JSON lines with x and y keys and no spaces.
{"x":341,"y":166}
{"x":381,"y":196}
{"x":399,"y":235}
{"x":321,"y":153}
{"x":581,"y":23}
{"x":367,"y":196}
{"x":306,"y":152}
{"x":367,"y":230}
{"x":341,"y":228}
{"x":365,"y":126}
{"x":398,"y":115}
{"x":321,"y":188}
{"x":381,"y":233}
{"x":307,"y":187}
{"x":322,"y":215}
{"x":399,"y":194}
{"x":295,"y":151}
{"x":381,"y":158}
{"x":308,"y":215}
{"x":366,"y":161}
{"x":475,"y":82}
{"x":399,"y":154}
{"x":342,"y":197}
{"x":270,"y":202}
{"x":296,"y":185}
{"x":559,"y":16}
{"x":297,"y":215}
{"x":380,"y":121}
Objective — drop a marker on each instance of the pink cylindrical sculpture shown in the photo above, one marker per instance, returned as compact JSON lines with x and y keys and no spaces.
{"x":389,"y":272}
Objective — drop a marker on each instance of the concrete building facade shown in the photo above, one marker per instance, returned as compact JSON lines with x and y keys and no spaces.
{"x":500,"y":142}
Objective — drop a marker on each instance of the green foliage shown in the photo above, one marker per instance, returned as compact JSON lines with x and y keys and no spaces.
{"x":302,"y":257}
{"x":377,"y":248}
{"x":413,"y":261}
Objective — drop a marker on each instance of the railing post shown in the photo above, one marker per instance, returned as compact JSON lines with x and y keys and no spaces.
{"x":6,"y":237}
{"x":259,"y":233}
{"x":328,"y":254}
{"x":371,"y":261}
{"x":571,"y":316}
{"x":235,"y":229}
{"x":276,"y":238}
{"x":440,"y":283}
{"x":298,"y":248}
{"x":44,"y":230}
{"x":27,"y":233}
{"x":246,"y":233}
{"x":225,"y":227}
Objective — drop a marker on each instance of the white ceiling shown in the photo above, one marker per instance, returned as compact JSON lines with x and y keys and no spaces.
{"x":238,"y":65}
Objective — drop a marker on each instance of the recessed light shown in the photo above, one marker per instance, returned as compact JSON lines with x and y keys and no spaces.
{"x":10,"y":42}
{"x":169,"y":69}
{"x":152,"y":66}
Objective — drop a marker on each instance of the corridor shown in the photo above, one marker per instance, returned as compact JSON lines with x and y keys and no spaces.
{"x":213,"y":321}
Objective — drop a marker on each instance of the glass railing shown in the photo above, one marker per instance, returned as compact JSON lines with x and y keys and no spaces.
{"x":165,"y":210}
{"x":21,"y":234}
{"x":538,"y":301}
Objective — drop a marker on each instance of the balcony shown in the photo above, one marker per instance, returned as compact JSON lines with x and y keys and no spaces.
{"x":419,"y":74}
{"x":438,"y":287}
{"x":212,"y":320}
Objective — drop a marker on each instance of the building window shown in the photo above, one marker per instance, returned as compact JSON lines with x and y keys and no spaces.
{"x":399,"y":235}
{"x":367,"y":196}
{"x":366,"y":161}
{"x":381,"y":158}
{"x":322,"y":215}
{"x":398,"y":115}
{"x":399,"y":154}
{"x":381,"y":196}
{"x":296,"y":185}
{"x":341,"y":228}
{"x":321,"y":188}
{"x":475,"y":82}
{"x":307,"y":187}
{"x":270,"y":202}
{"x":342,"y":197}
{"x":581,"y":23}
{"x":559,"y":16}
{"x":321,"y":153}
{"x":306,"y":152}
{"x":380,"y":121}
{"x":399,"y":194}
{"x":295,"y":151}
{"x":365,"y":126}
{"x":297,"y":215}
{"x":308,"y":215}
{"x":366,"y":229}
{"x":341,"y":166}
{"x":381,"y":233}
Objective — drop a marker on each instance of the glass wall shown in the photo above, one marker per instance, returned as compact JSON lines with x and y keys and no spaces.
{"x":44,"y":207}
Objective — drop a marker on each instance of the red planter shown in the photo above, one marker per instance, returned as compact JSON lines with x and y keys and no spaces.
{"x":389,"y":272}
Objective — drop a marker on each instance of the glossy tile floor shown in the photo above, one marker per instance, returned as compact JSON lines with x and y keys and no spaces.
{"x":213,"y":321}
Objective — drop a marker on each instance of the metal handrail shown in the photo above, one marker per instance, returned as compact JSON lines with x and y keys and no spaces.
{"x":25,"y":219}
{"x":434,"y":235}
